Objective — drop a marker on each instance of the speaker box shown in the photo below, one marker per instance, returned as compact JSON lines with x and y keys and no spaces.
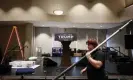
{"x":4,"y":69}
{"x":49,"y":63}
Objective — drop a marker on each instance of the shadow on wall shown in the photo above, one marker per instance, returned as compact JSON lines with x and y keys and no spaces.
{"x":41,"y":30}
{"x":81,"y":34}
{"x":26,"y":4}
{"x":65,"y":5}
{"x":43,"y":39}
{"x":6,"y":5}
{"x":114,"y":6}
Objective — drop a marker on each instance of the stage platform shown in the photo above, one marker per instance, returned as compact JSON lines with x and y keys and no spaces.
{"x":49,"y":73}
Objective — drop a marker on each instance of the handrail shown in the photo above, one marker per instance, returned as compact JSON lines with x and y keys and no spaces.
{"x":118,"y":51}
{"x":120,"y":29}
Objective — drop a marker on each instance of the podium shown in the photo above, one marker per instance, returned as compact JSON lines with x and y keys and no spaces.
{"x":65,"y":39}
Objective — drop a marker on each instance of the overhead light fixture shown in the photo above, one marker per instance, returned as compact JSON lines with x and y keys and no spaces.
{"x":58,"y":12}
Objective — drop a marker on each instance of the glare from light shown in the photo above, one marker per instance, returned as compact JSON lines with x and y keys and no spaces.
{"x":101,"y":26}
{"x":87,"y":26}
{"x":58,"y":12}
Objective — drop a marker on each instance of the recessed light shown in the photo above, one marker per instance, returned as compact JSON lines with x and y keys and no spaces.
{"x":73,"y":26}
{"x":58,"y":12}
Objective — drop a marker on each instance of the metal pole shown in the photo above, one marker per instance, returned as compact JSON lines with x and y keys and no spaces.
{"x":58,"y":76}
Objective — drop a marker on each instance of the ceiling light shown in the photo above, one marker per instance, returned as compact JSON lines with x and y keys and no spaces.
{"x":58,"y":12}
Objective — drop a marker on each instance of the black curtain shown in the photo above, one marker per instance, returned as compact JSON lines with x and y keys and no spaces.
{"x":129,"y":30}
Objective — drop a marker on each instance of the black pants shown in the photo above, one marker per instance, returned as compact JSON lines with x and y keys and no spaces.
{"x":95,"y":76}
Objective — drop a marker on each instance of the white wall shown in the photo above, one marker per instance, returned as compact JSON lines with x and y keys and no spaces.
{"x":127,"y":13}
{"x":53,"y":31}
{"x":45,"y":37}
{"x":117,"y":40}
{"x":80,"y":11}
{"x":29,"y":50}
{"x":83,"y":35}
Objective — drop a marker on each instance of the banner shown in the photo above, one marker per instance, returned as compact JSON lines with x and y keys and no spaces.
{"x":65,"y":37}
